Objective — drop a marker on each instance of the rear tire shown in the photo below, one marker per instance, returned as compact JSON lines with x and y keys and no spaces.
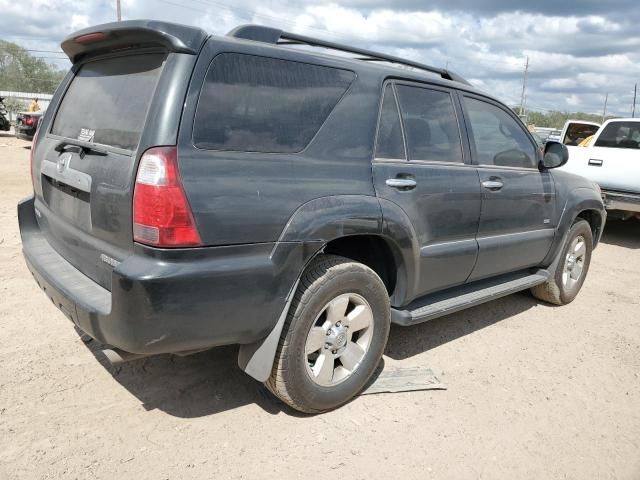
{"x":572,"y":268}
{"x":334,"y":335}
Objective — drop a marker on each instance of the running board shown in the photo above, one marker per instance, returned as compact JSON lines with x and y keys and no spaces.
{"x":456,"y":299}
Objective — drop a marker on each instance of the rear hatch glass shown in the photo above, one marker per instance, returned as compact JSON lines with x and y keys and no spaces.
{"x":107,"y":101}
{"x":84,"y":199}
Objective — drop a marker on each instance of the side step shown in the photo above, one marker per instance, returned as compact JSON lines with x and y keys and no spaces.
{"x":456,"y":299}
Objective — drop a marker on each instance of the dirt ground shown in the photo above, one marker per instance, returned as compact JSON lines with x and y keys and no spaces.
{"x":534,"y":391}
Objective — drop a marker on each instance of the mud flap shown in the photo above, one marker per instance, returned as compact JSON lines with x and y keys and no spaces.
{"x":256,"y":359}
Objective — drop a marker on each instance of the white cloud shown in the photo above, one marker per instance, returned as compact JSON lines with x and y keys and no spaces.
{"x":574,"y":59}
{"x":573,"y":100}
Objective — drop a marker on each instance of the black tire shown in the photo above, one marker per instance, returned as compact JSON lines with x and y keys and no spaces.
{"x":554,"y":290}
{"x":326,"y":278}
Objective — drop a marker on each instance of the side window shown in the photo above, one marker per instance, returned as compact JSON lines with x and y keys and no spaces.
{"x":389,"y":143}
{"x":430,"y":124}
{"x":259,"y":104}
{"x":498,"y":138}
{"x":620,"y":135}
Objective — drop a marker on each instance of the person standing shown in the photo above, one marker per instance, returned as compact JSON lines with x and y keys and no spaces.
{"x":34,"y":106}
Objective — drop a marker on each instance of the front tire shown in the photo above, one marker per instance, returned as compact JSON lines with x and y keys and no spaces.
{"x":572,"y":268}
{"x":334,"y":336}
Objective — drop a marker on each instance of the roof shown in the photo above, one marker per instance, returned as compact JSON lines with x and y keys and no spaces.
{"x":188,"y":39}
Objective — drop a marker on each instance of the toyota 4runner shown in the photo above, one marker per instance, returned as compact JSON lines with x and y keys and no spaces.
{"x":192,"y":191}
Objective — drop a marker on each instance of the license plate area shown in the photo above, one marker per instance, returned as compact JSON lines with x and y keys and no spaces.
{"x":72,"y":204}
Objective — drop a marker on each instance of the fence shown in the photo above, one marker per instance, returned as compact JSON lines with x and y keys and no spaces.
{"x":43,"y":99}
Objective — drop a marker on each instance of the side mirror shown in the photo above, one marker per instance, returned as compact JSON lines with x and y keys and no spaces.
{"x":556,"y":155}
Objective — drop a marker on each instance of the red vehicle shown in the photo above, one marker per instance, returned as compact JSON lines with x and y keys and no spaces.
{"x":27,"y":123}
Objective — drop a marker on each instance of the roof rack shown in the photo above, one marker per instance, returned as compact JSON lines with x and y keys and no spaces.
{"x":278,"y":37}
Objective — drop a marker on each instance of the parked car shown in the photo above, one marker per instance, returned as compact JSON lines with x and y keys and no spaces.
{"x":27,"y":124}
{"x":612,"y":159}
{"x":554,"y":136}
{"x":240,"y":190}
{"x":5,"y":125}
{"x":543,"y":132}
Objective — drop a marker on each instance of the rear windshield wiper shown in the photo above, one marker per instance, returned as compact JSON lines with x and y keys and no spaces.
{"x":79,"y":148}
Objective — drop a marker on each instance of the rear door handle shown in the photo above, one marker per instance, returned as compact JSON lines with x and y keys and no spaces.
{"x":492,"y":184}
{"x":595,"y":162}
{"x":401,"y":183}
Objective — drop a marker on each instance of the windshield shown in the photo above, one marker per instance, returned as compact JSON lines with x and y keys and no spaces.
{"x":107,"y":101}
{"x":620,"y":135}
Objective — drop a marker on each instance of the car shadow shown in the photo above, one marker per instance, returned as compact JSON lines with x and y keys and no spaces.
{"x":406,"y":342}
{"x":197,"y":385}
{"x":210,"y":382}
{"x":623,"y":233}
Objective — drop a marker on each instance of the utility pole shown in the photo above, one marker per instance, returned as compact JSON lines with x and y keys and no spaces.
{"x":604,"y":111}
{"x":633,"y":109}
{"x":118,"y":11}
{"x":524,"y":85}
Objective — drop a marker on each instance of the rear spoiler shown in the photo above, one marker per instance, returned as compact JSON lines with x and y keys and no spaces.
{"x":133,"y":34}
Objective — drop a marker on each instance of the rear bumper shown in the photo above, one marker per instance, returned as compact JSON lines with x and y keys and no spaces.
{"x":628,"y":202}
{"x":25,"y":133}
{"x":169,"y":301}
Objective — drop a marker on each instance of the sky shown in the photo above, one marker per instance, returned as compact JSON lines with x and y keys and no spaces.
{"x":578,"y":51}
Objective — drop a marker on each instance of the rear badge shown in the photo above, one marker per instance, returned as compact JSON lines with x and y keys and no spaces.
{"x":63,"y":162}
{"x":108,"y":260}
{"x":86,"y":135}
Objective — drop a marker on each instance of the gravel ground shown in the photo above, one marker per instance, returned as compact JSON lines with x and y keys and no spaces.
{"x":534,"y":391}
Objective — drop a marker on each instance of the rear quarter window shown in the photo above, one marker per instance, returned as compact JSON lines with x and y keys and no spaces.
{"x":258,"y":104}
{"x":620,"y":135}
{"x":108,"y":100}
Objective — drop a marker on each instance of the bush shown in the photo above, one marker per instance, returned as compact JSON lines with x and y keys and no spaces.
{"x":15,"y":105}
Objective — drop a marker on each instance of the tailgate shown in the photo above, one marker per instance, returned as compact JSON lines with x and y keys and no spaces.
{"x":84,"y":165}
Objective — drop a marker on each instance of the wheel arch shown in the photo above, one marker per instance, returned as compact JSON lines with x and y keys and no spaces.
{"x":580,"y":203}
{"x":342,"y":225}
{"x":596,"y":221}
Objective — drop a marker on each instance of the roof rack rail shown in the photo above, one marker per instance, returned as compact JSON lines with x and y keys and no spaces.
{"x":259,"y":33}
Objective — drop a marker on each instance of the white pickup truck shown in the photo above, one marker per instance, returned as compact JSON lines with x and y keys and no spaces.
{"x":612,"y":160}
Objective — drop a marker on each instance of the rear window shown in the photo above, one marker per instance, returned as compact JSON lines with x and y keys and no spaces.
{"x":107,"y":101}
{"x":389,"y":143}
{"x":620,"y":135}
{"x":257,"y":104}
{"x":430,"y":124}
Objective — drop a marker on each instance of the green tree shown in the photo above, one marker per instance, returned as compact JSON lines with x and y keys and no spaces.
{"x":21,"y":72}
{"x":13,"y":105}
{"x":557,"y":119}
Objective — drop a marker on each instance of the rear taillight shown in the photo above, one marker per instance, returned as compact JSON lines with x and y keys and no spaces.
{"x":28,"y":120}
{"x":32,"y":155}
{"x":161,"y":213}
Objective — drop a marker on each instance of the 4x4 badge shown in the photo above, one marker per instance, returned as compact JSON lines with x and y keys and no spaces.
{"x":63,"y":162}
